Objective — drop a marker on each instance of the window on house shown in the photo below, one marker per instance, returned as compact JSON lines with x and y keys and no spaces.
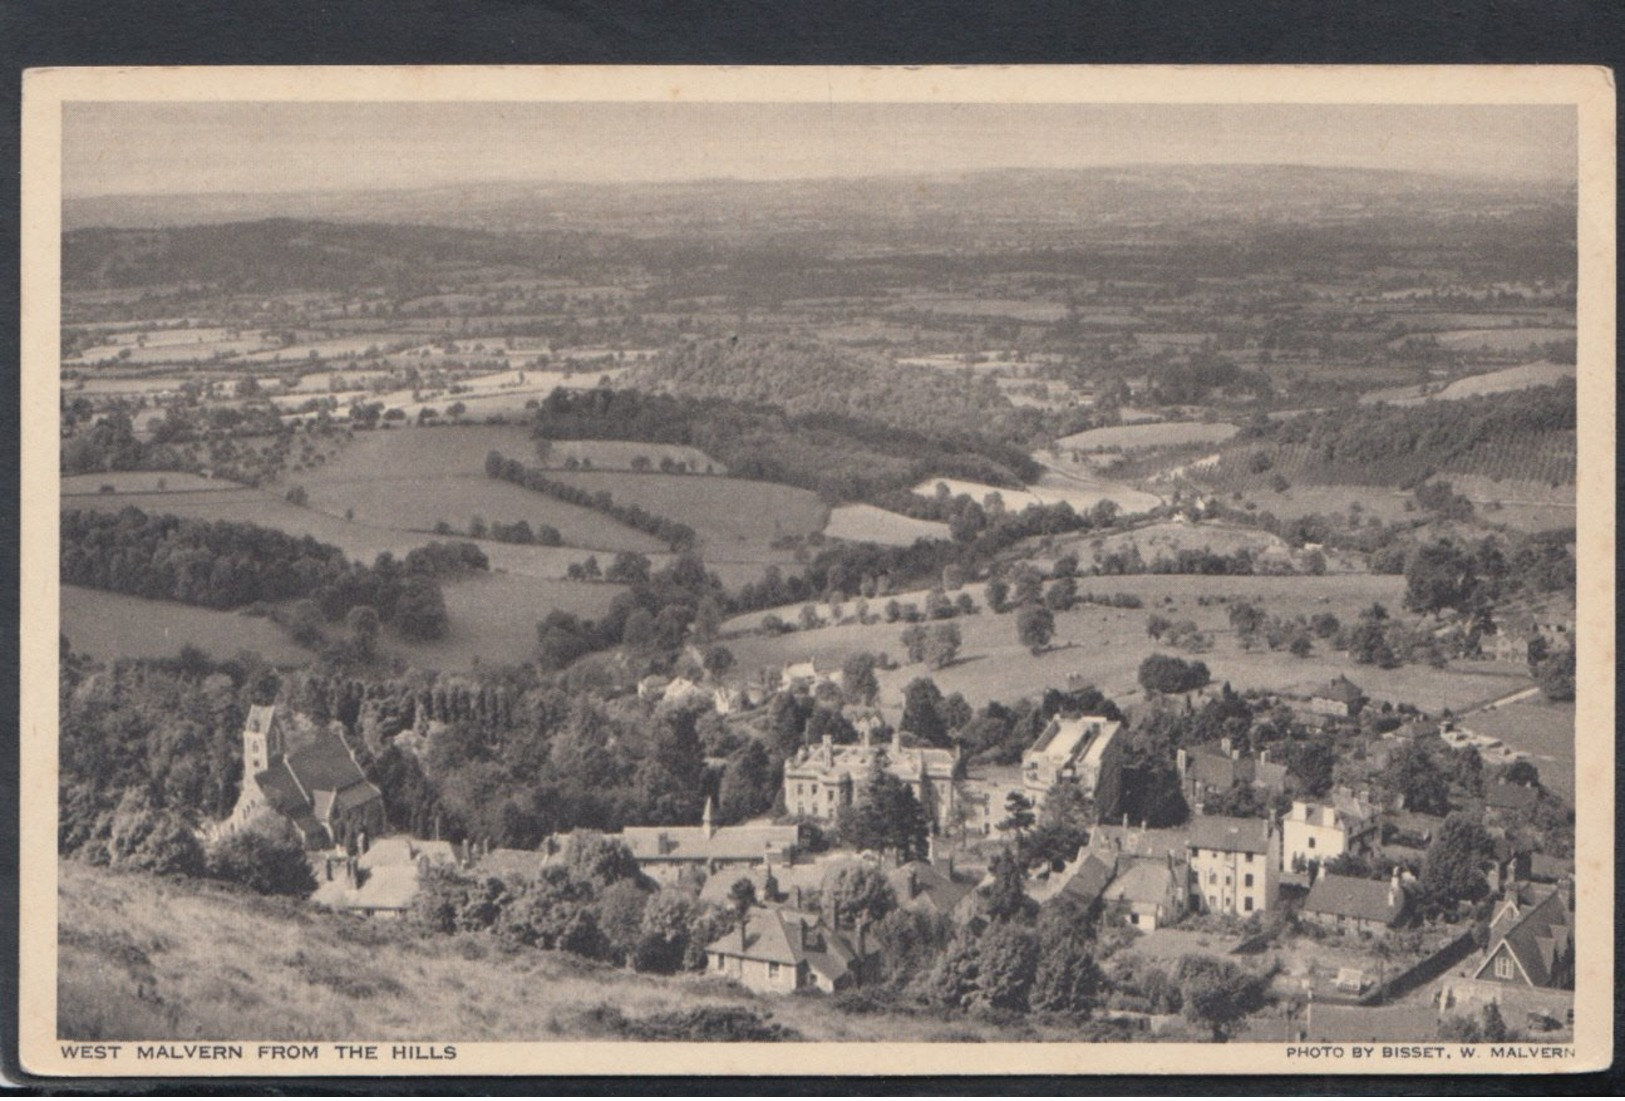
{"x":772,"y":970}
{"x":1311,"y":842}
{"x":1503,"y":966}
{"x":1249,"y":858}
{"x":1212,"y":878}
{"x":1134,"y":918}
{"x":1248,"y":901}
{"x":1248,"y":882}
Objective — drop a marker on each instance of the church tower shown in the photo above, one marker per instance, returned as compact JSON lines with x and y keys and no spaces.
{"x":262,"y":741}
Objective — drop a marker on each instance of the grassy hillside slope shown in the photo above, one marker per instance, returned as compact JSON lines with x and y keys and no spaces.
{"x":151,"y":959}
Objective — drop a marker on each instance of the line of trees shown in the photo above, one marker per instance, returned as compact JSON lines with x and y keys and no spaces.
{"x":678,"y":536}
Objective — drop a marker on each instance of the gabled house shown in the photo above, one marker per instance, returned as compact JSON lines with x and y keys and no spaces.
{"x":931,"y":888}
{"x":1531,"y":940}
{"x":664,"y":852}
{"x":1213,"y":769}
{"x":1341,"y":698}
{"x":316,"y":784}
{"x":1349,"y":903}
{"x":783,"y":951}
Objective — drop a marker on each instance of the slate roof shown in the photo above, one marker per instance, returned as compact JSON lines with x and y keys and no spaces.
{"x":696,"y":843}
{"x":774,"y":936}
{"x":1538,"y":930}
{"x":934,"y":889}
{"x":1143,"y":880}
{"x":1352,"y":897}
{"x":1342,"y":690}
{"x":1242,"y":835}
{"x":1088,"y":882}
{"x":1134,"y":841}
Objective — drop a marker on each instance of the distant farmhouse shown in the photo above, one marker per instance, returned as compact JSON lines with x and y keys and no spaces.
{"x":316,"y":785}
{"x":819,"y":781}
{"x":1082,"y":749}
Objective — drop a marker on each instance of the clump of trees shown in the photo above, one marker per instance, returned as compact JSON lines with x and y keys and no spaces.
{"x":225,"y":564}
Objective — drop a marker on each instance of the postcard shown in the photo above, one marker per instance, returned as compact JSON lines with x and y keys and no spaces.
{"x":798,"y":571}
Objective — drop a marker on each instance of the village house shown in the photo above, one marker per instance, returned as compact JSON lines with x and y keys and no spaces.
{"x":1210,"y":770}
{"x":783,"y":951}
{"x":663,"y":853}
{"x":1325,"y":831}
{"x":1351,"y":904}
{"x":316,"y":784}
{"x":1235,"y":864}
{"x":1531,"y":940}
{"x":382,"y":880}
{"x":819,"y":781}
{"x":1341,"y":699}
{"x":1081,"y":749}
{"x":928,"y":886}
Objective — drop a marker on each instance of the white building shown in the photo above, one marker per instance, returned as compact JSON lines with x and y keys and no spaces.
{"x":1325,"y":831}
{"x":1235,"y":864}
{"x":1079,"y":748}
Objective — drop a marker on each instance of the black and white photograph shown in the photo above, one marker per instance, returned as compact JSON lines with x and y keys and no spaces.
{"x":748,"y":562}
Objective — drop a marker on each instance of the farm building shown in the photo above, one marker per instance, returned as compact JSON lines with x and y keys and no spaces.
{"x":1349,"y":903}
{"x":819,"y":781}
{"x":317,"y":785}
{"x":1531,"y":940}
{"x":783,"y":951}
{"x":1235,"y":864}
{"x":1081,"y":749}
{"x":1325,"y":831}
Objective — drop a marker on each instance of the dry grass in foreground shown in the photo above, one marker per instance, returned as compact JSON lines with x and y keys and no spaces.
{"x":149,"y":959}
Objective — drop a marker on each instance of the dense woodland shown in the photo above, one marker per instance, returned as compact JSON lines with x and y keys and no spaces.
{"x":224,"y":564}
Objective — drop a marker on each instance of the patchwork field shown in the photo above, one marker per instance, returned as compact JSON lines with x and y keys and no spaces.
{"x":869,"y":524}
{"x":1136,"y":437}
{"x":1540,"y":373}
{"x":417,"y":477}
{"x":111,"y":625}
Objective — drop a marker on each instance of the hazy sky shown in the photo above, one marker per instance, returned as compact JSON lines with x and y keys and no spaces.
{"x":148,"y":148}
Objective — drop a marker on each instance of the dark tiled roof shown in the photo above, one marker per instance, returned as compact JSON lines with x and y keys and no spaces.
{"x":696,"y":843}
{"x":1089,"y":882}
{"x":1243,"y":835}
{"x":933,"y":888}
{"x":1342,"y":690}
{"x":1538,"y":933}
{"x":1352,"y":897}
{"x":775,"y":936}
{"x":325,"y":764}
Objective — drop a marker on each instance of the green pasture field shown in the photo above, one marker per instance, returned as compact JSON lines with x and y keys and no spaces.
{"x":112,"y":625}
{"x":869,"y":524}
{"x":1501,"y":340}
{"x":1133,"y":437}
{"x":1540,"y":728}
{"x":1081,"y":492}
{"x":144,"y":481}
{"x":728,"y":513}
{"x":492,"y":619}
{"x":618,"y":454}
{"x":1105,"y":645}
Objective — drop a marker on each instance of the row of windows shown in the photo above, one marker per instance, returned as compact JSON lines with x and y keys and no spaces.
{"x":1216,"y":853}
{"x":1213,"y":878}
